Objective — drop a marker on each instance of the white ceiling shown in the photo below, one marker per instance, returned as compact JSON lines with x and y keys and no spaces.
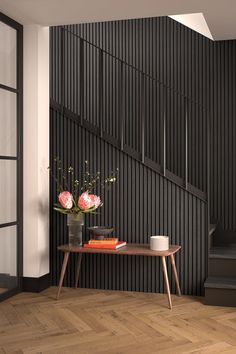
{"x":219,"y":15}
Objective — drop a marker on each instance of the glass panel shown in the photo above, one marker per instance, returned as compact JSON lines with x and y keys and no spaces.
{"x":197,"y":145}
{"x":8,"y":191}
{"x":8,"y":123}
{"x":7,"y":55}
{"x":154,"y":118}
{"x":111,"y":99}
{"x":91,"y":84}
{"x":175,"y":133}
{"x":132,"y":103}
{"x":8,"y":258}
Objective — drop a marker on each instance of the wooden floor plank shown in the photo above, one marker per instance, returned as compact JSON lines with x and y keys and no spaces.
{"x":88,"y":321}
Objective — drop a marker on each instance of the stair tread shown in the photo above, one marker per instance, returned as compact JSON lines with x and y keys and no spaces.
{"x":227,"y":252}
{"x":220,"y":282}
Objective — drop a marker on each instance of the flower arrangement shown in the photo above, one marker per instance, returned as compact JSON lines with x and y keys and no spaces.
{"x":75,"y":196}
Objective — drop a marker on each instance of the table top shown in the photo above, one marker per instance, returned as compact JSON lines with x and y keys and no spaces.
{"x":130,"y":249}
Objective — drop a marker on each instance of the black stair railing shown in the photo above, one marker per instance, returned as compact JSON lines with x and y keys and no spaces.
{"x":156,"y":124}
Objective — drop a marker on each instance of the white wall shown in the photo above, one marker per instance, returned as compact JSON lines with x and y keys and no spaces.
{"x":36,"y":151}
{"x":195,"y":21}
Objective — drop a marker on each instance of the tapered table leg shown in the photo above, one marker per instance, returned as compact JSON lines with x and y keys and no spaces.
{"x":175,"y":274}
{"x":63,"y":270}
{"x":163,"y":260}
{"x":78,"y":270}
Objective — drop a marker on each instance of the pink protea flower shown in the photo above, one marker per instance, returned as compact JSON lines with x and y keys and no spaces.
{"x":96,"y":200}
{"x":66,"y":200}
{"x":87,"y":201}
{"x":84,"y":201}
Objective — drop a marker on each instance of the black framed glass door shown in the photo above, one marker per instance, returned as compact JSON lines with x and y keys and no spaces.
{"x":11,"y":134}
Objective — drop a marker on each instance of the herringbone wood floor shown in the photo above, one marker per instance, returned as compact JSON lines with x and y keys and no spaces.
{"x":87,"y":321}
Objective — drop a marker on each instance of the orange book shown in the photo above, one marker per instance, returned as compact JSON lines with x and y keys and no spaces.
{"x":110,"y":241}
{"x":105,"y":246}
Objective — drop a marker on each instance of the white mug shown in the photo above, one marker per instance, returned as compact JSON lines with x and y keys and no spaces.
{"x":159,"y":243}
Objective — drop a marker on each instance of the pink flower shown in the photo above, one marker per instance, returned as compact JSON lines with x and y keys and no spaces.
{"x":66,"y":200}
{"x":87,"y":201}
{"x":84,"y":201}
{"x":96,"y":200}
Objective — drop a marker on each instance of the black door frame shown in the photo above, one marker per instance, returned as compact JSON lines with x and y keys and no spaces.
{"x":19,"y":157}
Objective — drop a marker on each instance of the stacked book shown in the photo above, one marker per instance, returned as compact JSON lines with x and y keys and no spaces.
{"x":107,"y":243}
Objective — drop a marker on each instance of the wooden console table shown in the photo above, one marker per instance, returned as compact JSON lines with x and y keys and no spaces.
{"x":129,"y":249}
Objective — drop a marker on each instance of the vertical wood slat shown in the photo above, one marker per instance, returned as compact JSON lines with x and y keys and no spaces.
{"x":186,"y":147}
{"x":81,"y":81}
{"x":62,"y":73}
{"x":121,"y":105}
{"x":100,"y":93}
{"x":142,"y":103}
{"x":163,"y":135}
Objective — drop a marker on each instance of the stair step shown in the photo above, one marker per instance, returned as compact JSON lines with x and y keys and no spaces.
{"x":225,"y":252}
{"x":221,"y":283}
{"x":220,"y":291}
{"x":222,"y":267}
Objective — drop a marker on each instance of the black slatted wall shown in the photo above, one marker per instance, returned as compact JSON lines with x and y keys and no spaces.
{"x":140,"y":204}
{"x":223,"y":135}
{"x":198,"y":68}
{"x":173,"y":76}
{"x":161,"y":47}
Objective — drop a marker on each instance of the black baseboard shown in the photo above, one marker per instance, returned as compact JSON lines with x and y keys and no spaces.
{"x":36,"y":285}
{"x":8,"y":281}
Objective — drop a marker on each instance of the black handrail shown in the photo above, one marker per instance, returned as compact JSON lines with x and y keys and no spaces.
{"x":130,"y":152}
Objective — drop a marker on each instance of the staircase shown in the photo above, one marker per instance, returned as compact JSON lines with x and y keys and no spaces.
{"x":220,"y":286}
{"x":151,"y":122}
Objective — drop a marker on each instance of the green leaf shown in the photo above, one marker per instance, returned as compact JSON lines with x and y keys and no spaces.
{"x":57,"y":205}
{"x":62,"y":211}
